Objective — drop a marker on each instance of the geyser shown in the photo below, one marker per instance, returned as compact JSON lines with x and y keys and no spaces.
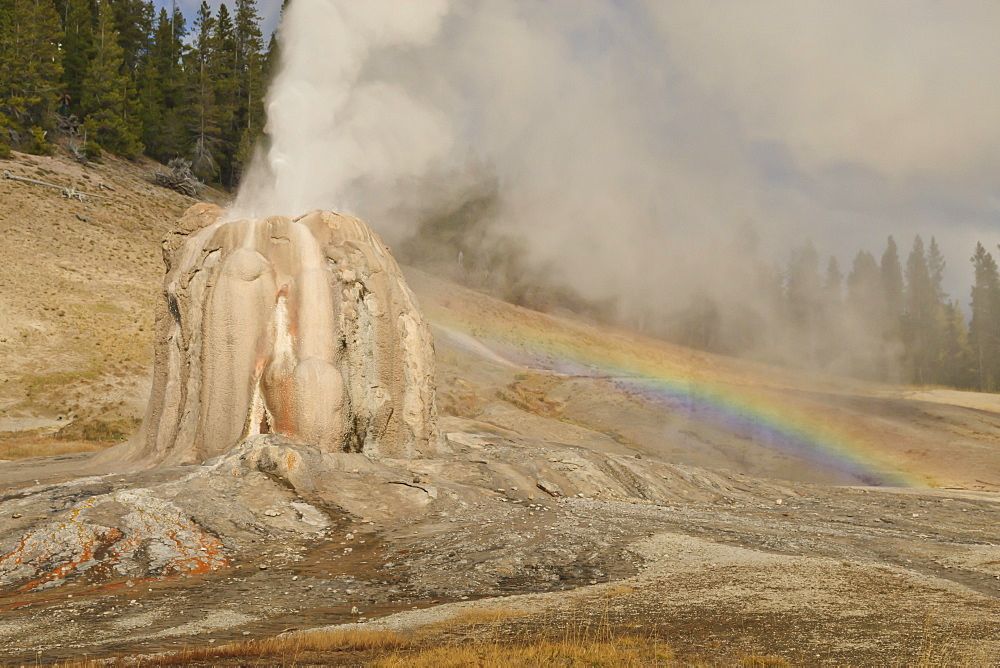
{"x":301,"y":327}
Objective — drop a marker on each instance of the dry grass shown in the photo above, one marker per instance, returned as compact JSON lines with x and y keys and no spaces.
{"x":473,"y":620}
{"x":390,"y":650}
{"x":508,"y":638}
{"x":290,"y":647}
{"x":288,"y":650}
{"x":948,"y":646}
{"x":436,"y":646}
{"x":623,"y":652}
{"x":102,"y":431}
{"x":23,"y":445}
{"x":78,"y":279}
{"x":619,"y":589}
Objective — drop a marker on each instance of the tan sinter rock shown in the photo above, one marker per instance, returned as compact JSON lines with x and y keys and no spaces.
{"x":301,"y":327}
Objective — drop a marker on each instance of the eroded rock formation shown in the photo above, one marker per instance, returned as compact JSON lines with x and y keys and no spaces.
{"x":300,"y":327}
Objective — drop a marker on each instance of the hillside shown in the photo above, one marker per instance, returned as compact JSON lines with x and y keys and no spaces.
{"x":595,"y":479}
{"x":78,"y":282}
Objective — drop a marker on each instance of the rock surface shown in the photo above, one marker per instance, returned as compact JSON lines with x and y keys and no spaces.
{"x":257,"y":542}
{"x":301,"y":327}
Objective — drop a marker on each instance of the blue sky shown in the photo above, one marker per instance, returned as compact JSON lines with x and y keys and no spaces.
{"x":268,"y":9}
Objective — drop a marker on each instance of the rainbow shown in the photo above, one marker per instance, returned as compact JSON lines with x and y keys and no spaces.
{"x":639,"y":367}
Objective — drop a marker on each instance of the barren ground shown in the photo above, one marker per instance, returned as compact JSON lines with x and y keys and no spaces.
{"x":658,"y":518}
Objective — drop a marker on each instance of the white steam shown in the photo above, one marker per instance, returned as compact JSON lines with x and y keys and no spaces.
{"x":329,"y":128}
{"x":634,"y":138}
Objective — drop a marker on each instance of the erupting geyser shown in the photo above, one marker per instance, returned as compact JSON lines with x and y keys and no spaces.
{"x":300,"y":327}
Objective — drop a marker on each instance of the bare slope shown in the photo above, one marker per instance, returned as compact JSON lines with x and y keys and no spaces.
{"x":559,"y":377}
{"x":78,"y":281}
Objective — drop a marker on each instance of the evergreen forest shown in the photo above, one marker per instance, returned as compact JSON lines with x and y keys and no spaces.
{"x":128,"y":80}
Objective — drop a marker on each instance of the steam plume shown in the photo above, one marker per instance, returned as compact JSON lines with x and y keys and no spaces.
{"x":634,"y":139}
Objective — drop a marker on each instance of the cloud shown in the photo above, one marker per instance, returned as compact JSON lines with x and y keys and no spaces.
{"x":902,"y":89}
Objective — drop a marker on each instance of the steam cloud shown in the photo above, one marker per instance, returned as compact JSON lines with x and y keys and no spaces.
{"x":633,"y":139}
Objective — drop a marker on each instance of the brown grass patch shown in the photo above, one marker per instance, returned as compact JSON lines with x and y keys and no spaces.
{"x":624,"y":652}
{"x":618,"y":590}
{"x":471,"y":620}
{"x":103,"y":431}
{"x":291,"y":650}
{"x":573,"y":645}
{"x":289,"y":647}
{"x":24,"y":445}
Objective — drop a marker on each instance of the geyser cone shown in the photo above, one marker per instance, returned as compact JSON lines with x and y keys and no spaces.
{"x":298,"y":327}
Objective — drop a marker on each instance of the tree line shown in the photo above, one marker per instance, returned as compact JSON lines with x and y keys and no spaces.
{"x":132,"y":81}
{"x":884,"y":319}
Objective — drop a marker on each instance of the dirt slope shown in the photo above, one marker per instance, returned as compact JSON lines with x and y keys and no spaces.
{"x":77,"y":284}
{"x":539,"y":374}
{"x":78,"y":281}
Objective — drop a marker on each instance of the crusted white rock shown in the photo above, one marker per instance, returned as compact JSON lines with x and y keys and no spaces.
{"x":300,"y":327}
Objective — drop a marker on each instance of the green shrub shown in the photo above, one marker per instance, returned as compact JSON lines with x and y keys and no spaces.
{"x":92,"y":150}
{"x":99,"y":430}
{"x":39,"y":145}
{"x":4,"y":150}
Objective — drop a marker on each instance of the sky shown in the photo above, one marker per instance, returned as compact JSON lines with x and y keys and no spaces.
{"x":633,"y":136}
{"x":269,"y":10}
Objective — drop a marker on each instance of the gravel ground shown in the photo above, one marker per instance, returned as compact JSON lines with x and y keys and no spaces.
{"x":814,"y":573}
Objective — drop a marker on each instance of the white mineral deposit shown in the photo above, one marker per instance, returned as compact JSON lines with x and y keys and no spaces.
{"x":300,"y":327}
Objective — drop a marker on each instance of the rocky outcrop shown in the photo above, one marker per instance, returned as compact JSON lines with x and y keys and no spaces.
{"x":303,"y":328}
{"x":119,"y":534}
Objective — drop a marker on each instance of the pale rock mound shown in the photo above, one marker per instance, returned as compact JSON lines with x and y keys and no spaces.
{"x":303,"y":328}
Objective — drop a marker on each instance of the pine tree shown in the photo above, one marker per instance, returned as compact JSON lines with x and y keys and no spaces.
{"x":921,"y":319}
{"x":150,"y":84}
{"x":133,"y":19}
{"x":152,"y":91}
{"x":935,"y":267}
{"x":250,"y":68}
{"x":833,"y":282}
{"x":831,"y":341}
{"x":223,"y":67}
{"x":804,"y":295}
{"x":864,"y":289}
{"x":891,"y":272}
{"x":272,"y":57}
{"x":106,"y":92}
{"x":955,"y":366}
{"x":866,"y":306}
{"x":134,"y":22}
{"x":30,"y":64}
{"x":892,"y":287}
{"x":165,"y":133}
{"x":944,"y":337}
{"x":984,"y":328}
{"x":202,"y":99}
{"x":78,"y":46}
{"x":6,"y":32}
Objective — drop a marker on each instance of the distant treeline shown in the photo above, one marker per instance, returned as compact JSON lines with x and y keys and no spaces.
{"x":884,"y":320}
{"x":122,"y":78}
